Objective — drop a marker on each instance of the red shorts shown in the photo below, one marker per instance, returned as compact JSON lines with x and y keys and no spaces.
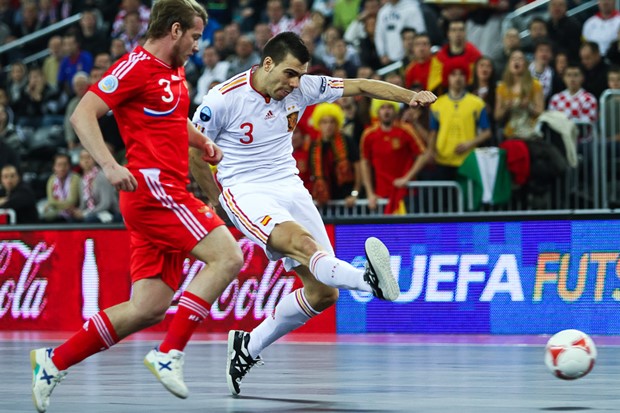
{"x":165,"y":222}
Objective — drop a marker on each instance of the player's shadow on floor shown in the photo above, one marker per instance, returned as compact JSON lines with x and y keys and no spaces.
{"x":565,"y":409}
{"x":319,"y":406}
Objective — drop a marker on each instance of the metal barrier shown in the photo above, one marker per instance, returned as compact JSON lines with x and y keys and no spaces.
{"x":609,"y":148}
{"x":339,"y":209}
{"x":9,"y":213}
{"x":432,"y":197}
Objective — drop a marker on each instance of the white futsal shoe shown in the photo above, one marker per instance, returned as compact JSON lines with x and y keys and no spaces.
{"x":378,"y":272}
{"x":45,"y":376}
{"x":168,"y":368}
{"x":239,"y":361}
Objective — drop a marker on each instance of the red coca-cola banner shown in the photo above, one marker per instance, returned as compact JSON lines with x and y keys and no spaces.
{"x":55,"y":280}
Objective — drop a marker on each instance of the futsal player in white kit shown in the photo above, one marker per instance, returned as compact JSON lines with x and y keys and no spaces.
{"x":251,"y":117}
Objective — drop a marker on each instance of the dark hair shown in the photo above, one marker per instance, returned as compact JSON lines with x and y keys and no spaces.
{"x":573,"y":65}
{"x":167,"y":12}
{"x":65,"y":155}
{"x":283,"y":44}
{"x":542,"y":42}
{"x":408,"y":30}
{"x":537,"y":20}
{"x":448,"y":23}
{"x":592,"y":45}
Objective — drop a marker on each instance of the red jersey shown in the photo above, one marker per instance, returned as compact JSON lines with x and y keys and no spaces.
{"x":391,"y":154}
{"x":164,"y":99}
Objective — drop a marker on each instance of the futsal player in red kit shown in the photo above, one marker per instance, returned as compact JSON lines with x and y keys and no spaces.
{"x":147,"y":92}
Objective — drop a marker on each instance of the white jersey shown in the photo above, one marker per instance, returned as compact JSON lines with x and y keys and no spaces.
{"x":254,"y":132}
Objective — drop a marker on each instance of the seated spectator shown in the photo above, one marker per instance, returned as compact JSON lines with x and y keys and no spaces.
{"x":300,"y":15}
{"x":98,"y":198}
{"x":574,"y":101}
{"x":213,"y":70}
{"x":63,"y":191}
{"x":340,"y":60}
{"x":39,"y":105}
{"x":102,"y":60}
{"x":594,"y":69}
{"x":81,"y":82}
{"x":277,"y":19}
{"x":17,"y":195}
{"x":132,"y":31}
{"x":302,"y":157}
{"x":117,"y":49}
{"x":602,"y":28}
{"x":244,"y":58}
{"x":459,"y":124}
{"x":610,"y":117}
{"x":391,"y":155}
{"x":17,"y":81}
{"x":334,"y":158}
{"x":519,"y":99}
{"x":560,"y":62}
{"x":458,"y":51}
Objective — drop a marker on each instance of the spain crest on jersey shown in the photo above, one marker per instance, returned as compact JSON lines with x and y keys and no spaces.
{"x":292,"y":120}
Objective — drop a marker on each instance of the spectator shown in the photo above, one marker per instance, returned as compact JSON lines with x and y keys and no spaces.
{"x":407,"y":35}
{"x":8,"y":135}
{"x":563,"y":30}
{"x":519,"y":99}
{"x":245,"y":56}
{"x":278,"y":21}
{"x":538,"y":33}
{"x":92,"y":38}
{"x":602,"y":28}
{"x":130,"y":6}
{"x":75,"y":60}
{"x":541,"y":69}
{"x":367,"y":50}
{"x":301,"y":154}
{"x":334,"y":158}
{"x":214,"y":70}
{"x":613,"y":53}
{"x":391,"y":155}
{"x":392,"y":18}
{"x":340,"y":59}
{"x":511,"y":41}
{"x":594,"y":69}
{"x":219,"y":42}
{"x":39,"y":105}
{"x":80,"y":82}
{"x":417,"y":118}
{"x":232,"y":32}
{"x":29,"y":24}
{"x":51,"y":64}
{"x":300,"y":16}
{"x":315,"y":61}
{"x":459,"y":124}
{"x":262,"y":34}
{"x":611,"y":118}
{"x":98,"y":198}
{"x":132,"y":33}
{"x":353,"y":126}
{"x":117,"y":49}
{"x":575,"y":102}
{"x":424,"y":71}
{"x":18,"y":196}
{"x":560,"y":62}
{"x":103,"y":60}
{"x":356,"y":31}
{"x":63,"y":191}
{"x":458,"y":51}
{"x":17,"y":81}
{"x":484,"y":86}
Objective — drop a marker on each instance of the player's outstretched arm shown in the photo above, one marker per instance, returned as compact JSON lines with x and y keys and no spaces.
{"x":85,"y":123}
{"x":379,"y":89}
{"x":211,"y":153}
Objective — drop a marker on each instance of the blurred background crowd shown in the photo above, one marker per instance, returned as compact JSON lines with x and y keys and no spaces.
{"x":501,"y":88}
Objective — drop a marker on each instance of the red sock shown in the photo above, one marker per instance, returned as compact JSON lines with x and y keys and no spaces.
{"x":191,"y":311}
{"x":97,"y":335}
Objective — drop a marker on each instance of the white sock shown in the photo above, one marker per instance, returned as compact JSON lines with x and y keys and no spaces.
{"x":291,"y":312}
{"x":337,"y":273}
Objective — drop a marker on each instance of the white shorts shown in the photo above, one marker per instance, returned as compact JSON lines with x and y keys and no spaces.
{"x":257,"y":208}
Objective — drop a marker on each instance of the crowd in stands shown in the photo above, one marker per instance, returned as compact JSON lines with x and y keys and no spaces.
{"x":493,"y":88}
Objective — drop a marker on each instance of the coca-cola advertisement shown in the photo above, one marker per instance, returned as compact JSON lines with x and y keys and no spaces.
{"x":55,"y":280}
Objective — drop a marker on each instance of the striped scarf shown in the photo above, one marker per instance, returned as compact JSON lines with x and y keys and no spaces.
{"x":323,"y":174}
{"x":88,"y":180}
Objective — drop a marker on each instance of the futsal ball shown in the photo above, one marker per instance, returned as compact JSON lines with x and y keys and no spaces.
{"x":570,"y":354}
